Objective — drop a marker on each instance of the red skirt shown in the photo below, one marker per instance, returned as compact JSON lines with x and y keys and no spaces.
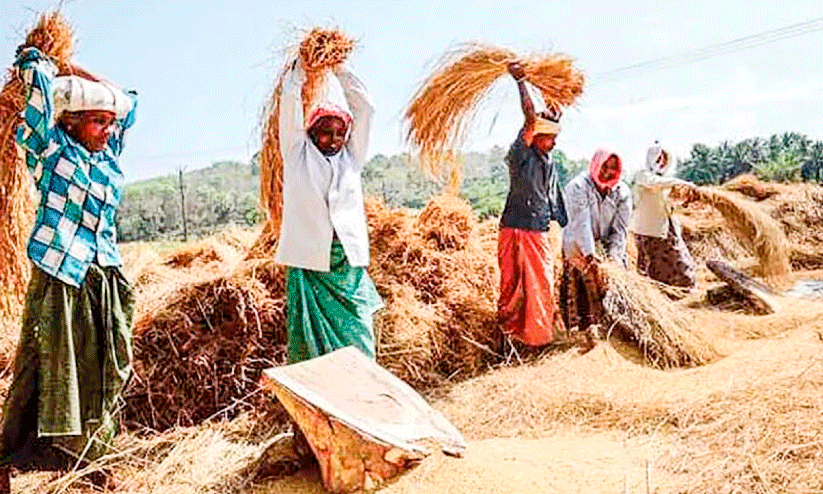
{"x":527,"y":307}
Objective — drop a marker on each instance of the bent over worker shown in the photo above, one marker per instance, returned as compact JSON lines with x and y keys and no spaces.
{"x":599,"y":207}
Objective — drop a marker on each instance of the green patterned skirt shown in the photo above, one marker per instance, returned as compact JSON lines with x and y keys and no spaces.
{"x":73,"y":360}
{"x":327,"y":311}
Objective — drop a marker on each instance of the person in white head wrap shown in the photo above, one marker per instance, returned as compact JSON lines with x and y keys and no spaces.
{"x":661,"y":252}
{"x":75,"y":353}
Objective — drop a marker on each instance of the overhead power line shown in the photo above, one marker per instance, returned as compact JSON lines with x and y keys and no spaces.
{"x":711,"y":51}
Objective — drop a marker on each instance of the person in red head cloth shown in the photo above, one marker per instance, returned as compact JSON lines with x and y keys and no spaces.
{"x":527,"y":307}
{"x":599,"y":206}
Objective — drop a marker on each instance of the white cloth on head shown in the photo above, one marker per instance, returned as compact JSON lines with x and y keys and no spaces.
{"x":651,"y":189}
{"x":72,"y":93}
{"x":322,"y":195}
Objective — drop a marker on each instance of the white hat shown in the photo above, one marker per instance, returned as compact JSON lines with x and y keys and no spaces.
{"x":72,"y":93}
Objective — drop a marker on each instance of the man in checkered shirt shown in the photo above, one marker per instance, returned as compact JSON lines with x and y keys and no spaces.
{"x":75,"y":351}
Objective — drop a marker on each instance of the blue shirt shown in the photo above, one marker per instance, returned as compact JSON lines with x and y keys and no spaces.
{"x":79,"y":190}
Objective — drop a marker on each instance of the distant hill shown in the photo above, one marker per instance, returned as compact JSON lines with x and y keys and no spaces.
{"x":227,"y":193}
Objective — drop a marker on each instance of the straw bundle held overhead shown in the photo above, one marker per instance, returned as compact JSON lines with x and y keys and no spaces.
{"x":441,"y":111}
{"x":668,"y":336}
{"x":764,"y":234}
{"x":53,"y":37}
{"x":320,"y":51}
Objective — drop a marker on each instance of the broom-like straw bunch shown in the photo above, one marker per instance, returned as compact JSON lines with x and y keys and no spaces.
{"x":53,"y":36}
{"x":320,"y":51}
{"x":440,"y":113}
{"x":764,"y":234}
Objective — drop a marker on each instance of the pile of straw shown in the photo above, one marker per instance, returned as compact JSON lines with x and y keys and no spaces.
{"x":666,"y":333}
{"x":320,"y":51}
{"x":204,"y":330}
{"x":53,"y":37}
{"x":209,"y":319}
{"x":799,"y":209}
{"x":439,"y":278}
{"x":440,"y":113}
{"x":755,"y":227}
{"x":751,"y":186}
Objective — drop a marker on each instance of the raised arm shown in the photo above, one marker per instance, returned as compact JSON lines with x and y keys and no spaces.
{"x":519,"y":74}
{"x":362,"y":113}
{"x":291,"y":111}
{"x":37,"y":72}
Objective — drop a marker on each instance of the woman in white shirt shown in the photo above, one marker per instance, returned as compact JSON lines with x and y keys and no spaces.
{"x":661,"y":253}
{"x":330,"y":299}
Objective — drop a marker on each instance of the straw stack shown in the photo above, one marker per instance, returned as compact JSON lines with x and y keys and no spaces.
{"x":666,"y":333}
{"x":440,"y":113}
{"x":53,"y":37}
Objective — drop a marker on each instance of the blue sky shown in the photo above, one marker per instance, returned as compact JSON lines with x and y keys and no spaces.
{"x":205,"y":68}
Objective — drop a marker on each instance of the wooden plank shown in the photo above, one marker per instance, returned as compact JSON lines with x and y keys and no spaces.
{"x":760,"y":295}
{"x":364,"y":424}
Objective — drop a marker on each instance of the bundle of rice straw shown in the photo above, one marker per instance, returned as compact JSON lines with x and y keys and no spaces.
{"x":53,"y":37}
{"x":440,"y":113}
{"x":199,"y":352}
{"x":749,"y":185}
{"x":320,"y":51}
{"x":667,"y":335}
{"x":764,"y":234}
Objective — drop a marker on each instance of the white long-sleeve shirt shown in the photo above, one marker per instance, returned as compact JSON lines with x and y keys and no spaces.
{"x":652,"y":214}
{"x":322,"y":194}
{"x":651,"y":187}
{"x":595,"y":218}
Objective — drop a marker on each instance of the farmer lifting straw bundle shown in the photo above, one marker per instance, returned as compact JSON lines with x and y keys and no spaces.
{"x":440,"y":113}
{"x":661,"y":252}
{"x":324,"y":238}
{"x":319,"y":52}
{"x":527,"y":306}
{"x":74,"y":355}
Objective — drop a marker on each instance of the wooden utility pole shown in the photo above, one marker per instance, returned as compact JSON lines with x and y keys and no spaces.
{"x":182,"y":202}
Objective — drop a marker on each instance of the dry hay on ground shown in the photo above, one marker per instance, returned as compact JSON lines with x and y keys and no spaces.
{"x":664,"y":331}
{"x":749,"y":420}
{"x":440,"y":113}
{"x":53,"y":36}
{"x":319,"y":52}
{"x":203,"y":334}
{"x":440,"y":281}
{"x":215,"y":458}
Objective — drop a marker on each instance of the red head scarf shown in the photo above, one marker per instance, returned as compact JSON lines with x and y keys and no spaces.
{"x":329,"y":110}
{"x":599,"y":159}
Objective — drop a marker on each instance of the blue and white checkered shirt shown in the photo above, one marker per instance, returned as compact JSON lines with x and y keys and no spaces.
{"x":79,"y":190}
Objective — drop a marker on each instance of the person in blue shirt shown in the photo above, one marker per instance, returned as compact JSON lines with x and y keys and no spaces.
{"x":75,"y":351}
